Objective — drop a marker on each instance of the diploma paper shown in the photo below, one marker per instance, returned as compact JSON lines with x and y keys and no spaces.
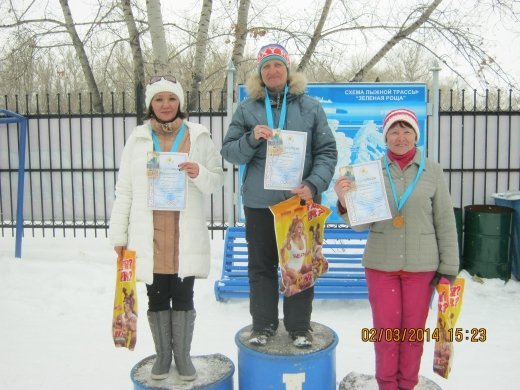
{"x":367,"y":202}
{"x":166,"y":184}
{"x":285,"y":159}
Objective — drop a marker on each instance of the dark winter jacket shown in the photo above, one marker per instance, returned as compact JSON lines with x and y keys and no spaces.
{"x":303,"y":114}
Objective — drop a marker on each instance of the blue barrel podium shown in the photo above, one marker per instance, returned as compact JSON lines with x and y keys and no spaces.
{"x":280,"y":365}
{"x":214,"y":372}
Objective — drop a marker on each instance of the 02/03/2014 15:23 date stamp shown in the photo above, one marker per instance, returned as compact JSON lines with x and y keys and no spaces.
{"x":373,"y":335}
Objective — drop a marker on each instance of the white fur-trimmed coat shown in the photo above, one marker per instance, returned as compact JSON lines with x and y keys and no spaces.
{"x":131,"y":222}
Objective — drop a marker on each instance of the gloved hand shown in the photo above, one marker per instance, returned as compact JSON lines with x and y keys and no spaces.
{"x":436,"y":279}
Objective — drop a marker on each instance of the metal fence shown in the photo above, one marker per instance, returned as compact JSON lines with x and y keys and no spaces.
{"x":479,"y":146}
{"x":72,"y":160}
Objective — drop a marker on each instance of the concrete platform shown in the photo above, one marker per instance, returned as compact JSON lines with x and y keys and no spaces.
{"x":358,"y":381}
{"x":214,"y":372}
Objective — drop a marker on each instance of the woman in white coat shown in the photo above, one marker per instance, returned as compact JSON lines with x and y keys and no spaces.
{"x":172,"y":247}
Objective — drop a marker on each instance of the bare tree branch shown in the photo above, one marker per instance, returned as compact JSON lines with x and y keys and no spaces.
{"x":200,"y":54}
{"x":82,"y":56}
{"x":401,"y":34}
{"x":160,"y":52}
{"x":316,"y":36}
{"x":137,"y":56}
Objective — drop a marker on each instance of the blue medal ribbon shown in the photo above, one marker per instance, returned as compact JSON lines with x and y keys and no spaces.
{"x":175,"y":146}
{"x":269,"y":111}
{"x":399,"y":203}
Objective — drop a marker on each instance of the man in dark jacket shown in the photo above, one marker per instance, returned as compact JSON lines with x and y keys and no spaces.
{"x":282,"y":91}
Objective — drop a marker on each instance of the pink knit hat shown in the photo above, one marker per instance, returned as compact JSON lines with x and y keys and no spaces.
{"x":401,"y":115}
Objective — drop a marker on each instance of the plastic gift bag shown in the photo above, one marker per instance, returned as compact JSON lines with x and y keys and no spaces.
{"x":449,"y":305}
{"x":299,"y":232}
{"x":124,"y":320}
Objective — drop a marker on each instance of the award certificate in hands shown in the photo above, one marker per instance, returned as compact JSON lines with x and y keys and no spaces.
{"x":166,"y":183}
{"x":367,"y":202}
{"x":285,"y":159}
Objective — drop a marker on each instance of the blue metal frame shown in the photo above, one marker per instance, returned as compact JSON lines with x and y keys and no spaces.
{"x":12,"y":117}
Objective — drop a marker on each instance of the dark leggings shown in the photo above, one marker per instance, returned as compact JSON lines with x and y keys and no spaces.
{"x":170,"y":289}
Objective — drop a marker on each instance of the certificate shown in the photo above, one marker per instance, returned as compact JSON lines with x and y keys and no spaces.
{"x":166,"y":183}
{"x":285,"y":159}
{"x":367,"y":202}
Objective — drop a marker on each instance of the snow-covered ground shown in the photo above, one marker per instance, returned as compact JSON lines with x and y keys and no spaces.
{"x":56,"y":312}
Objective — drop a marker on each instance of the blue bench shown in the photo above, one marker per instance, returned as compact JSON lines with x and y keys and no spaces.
{"x":343,"y":249}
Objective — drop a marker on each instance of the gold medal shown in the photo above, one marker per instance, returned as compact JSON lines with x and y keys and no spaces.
{"x":398,"y":221}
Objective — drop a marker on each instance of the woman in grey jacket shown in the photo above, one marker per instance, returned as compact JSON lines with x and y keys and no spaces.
{"x":253,"y":122}
{"x":406,"y":256}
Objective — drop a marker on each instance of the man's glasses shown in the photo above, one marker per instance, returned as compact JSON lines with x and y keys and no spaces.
{"x":155,"y":79}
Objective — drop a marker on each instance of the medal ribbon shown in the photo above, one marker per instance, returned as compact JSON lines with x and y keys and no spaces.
{"x":269,"y":111}
{"x":399,"y":203}
{"x":175,"y":146}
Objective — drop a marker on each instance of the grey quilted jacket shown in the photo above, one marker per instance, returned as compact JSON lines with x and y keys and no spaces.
{"x":428,"y":239}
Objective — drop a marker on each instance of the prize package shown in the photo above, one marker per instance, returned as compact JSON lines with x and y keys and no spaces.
{"x":299,"y":232}
{"x":124,"y":320}
{"x":450,"y":302}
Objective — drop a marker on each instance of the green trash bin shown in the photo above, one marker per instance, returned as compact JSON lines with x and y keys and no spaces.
{"x":458,"y":222}
{"x":512,"y":199}
{"x":488,"y":234}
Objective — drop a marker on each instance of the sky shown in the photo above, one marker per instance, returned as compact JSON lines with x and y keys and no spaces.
{"x":56,"y":312}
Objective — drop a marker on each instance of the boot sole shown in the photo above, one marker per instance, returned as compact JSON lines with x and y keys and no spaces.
{"x":188,"y":378}
{"x":160,"y":376}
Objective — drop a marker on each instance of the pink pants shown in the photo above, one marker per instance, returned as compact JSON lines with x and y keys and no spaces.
{"x":399,"y":302}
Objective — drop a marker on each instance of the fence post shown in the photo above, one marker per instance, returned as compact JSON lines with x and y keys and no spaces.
{"x":229,"y":177}
{"x":434,"y":149}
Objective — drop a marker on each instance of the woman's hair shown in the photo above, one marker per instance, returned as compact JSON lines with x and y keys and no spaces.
{"x":294,"y":224}
{"x":402,"y":124}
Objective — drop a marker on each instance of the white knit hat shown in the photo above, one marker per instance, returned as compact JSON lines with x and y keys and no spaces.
{"x":164,"y":84}
{"x":401,"y":115}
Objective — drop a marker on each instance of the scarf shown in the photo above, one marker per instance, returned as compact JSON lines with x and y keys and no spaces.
{"x":403,"y":159}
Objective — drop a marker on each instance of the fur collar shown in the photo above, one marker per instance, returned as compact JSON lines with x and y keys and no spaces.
{"x":255,"y":86}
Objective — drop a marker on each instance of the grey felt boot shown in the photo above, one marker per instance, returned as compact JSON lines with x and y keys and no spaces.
{"x":161,"y":326}
{"x":183,"y":323}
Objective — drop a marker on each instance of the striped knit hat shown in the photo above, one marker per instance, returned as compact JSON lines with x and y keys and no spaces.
{"x":401,"y":115}
{"x":273,"y":51}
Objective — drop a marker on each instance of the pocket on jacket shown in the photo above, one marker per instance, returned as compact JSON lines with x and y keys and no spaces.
{"x":428,"y":248}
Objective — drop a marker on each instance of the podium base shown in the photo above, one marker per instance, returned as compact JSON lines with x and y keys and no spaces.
{"x":279,"y":365}
{"x":357,"y":381}
{"x":214,"y":372}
